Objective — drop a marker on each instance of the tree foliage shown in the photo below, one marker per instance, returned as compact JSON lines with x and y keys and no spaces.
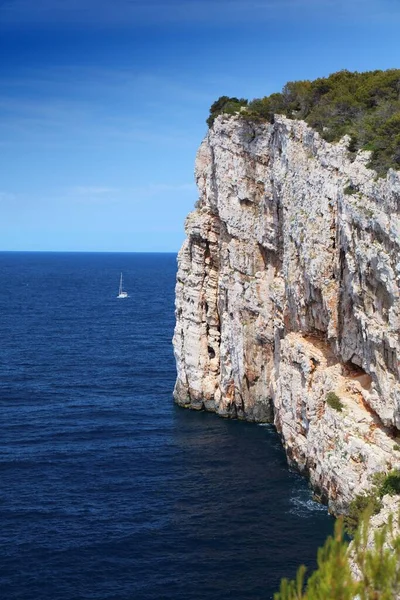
{"x":225,"y":105}
{"x":377,"y":564}
{"x":365,"y":106}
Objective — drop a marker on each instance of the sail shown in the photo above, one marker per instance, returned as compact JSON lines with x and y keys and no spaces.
{"x":121,"y":293}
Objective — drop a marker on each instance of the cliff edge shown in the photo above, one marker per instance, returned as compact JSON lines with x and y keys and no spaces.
{"x":287,"y":298}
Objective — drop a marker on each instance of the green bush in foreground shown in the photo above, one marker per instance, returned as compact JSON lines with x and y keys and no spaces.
{"x":379,"y":568}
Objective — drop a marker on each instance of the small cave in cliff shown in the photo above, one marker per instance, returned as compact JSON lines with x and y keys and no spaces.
{"x":211,"y":352}
{"x":394,"y":432}
{"x":390,"y":358}
{"x":315,"y":310}
{"x":245,"y":202}
{"x":269,"y":258}
{"x":352,"y":370}
{"x":315,"y":363}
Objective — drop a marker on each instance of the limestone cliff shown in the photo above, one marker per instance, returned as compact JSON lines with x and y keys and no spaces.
{"x":287,"y":289}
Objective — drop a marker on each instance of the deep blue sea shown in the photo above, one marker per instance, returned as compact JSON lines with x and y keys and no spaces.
{"x":107,"y":489}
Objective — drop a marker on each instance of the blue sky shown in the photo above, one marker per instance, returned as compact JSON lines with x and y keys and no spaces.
{"x":103,"y":103}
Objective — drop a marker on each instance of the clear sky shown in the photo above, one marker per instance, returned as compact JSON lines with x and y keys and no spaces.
{"x":103,"y":103}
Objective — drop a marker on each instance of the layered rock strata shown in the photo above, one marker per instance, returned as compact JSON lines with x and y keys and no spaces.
{"x":287,"y":290}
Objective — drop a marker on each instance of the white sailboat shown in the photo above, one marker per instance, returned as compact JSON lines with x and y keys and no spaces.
{"x":121,"y":293}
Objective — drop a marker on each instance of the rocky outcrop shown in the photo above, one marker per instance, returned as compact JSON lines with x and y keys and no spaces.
{"x":287,"y":290}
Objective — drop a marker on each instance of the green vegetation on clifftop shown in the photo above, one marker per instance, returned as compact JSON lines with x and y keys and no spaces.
{"x":365,"y":106}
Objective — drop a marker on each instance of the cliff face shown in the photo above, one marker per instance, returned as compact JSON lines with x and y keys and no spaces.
{"x":287,"y":289}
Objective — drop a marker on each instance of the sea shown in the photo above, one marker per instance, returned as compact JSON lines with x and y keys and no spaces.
{"x":109,"y":491}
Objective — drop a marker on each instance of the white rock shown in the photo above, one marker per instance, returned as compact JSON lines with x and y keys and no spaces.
{"x":286,"y":291}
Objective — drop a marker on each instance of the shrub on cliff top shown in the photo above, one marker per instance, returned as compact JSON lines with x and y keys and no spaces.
{"x":379,"y":568}
{"x":225,"y":105}
{"x":364,"y":105}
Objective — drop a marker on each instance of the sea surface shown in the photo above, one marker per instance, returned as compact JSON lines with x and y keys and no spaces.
{"x":107,"y":489}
